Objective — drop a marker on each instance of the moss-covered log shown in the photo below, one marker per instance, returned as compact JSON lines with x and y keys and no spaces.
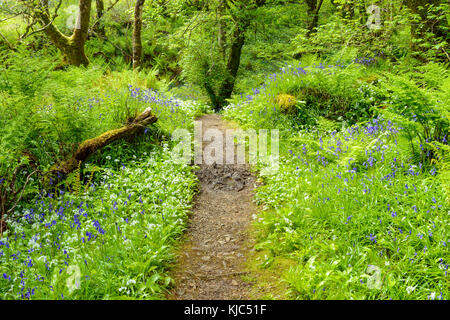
{"x":90,"y":146}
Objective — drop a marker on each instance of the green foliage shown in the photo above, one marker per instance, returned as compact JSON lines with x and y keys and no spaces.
{"x":334,"y":90}
{"x":120,"y":234}
{"x":422,"y":112}
{"x":429,"y":29}
{"x":359,"y":205}
{"x":46,"y":114}
{"x":202,"y":63}
{"x":361,"y":210}
{"x":120,"y":222}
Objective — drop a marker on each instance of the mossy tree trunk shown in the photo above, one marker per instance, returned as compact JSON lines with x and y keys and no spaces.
{"x":137,"y":28}
{"x":72,"y":47}
{"x":99,"y":27}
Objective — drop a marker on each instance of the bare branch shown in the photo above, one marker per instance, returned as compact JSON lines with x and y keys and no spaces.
{"x":21,"y":193}
{"x":6,"y":41}
{"x":448,"y":57}
{"x":12,"y":17}
{"x":99,"y":19}
{"x":55,"y":15}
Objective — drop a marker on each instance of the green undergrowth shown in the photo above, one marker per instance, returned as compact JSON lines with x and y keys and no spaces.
{"x":108,"y":230}
{"x":111,"y":239}
{"x":45,"y":113}
{"x":359,"y":205}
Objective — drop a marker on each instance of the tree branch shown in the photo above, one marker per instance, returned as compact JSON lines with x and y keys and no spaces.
{"x":10,"y":46}
{"x":105,"y":11}
{"x":21,"y":192}
{"x":55,"y":15}
{"x":89,"y":146}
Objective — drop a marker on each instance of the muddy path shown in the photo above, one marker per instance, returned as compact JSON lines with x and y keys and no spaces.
{"x":217,"y":243}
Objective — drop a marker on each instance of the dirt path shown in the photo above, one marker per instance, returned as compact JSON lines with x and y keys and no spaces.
{"x":210,"y":263}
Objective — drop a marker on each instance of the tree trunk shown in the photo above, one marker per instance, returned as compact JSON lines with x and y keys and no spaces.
{"x":71,"y":47}
{"x":221,"y":35}
{"x":74,"y":54}
{"x":242,"y":17}
{"x":420,"y":7}
{"x":137,"y":42}
{"x":234,"y":60}
{"x":313,"y":9}
{"x":99,"y":27}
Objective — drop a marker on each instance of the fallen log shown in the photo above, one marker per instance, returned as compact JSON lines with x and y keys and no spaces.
{"x":90,"y":146}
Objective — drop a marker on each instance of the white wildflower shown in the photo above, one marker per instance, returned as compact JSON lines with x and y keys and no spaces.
{"x":410,"y":289}
{"x":131,"y":281}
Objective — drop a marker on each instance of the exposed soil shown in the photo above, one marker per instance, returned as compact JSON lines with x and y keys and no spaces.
{"x":211,"y":259}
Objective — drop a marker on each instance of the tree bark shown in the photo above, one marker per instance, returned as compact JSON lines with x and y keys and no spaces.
{"x":137,"y":41}
{"x":234,"y":60}
{"x":420,"y":7}
{"x":348,"y":9}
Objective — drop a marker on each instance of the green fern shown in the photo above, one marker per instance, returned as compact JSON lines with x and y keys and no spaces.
{"x":442,"y":162}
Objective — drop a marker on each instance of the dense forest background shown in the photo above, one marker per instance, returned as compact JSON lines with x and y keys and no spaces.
{"x":317,"y":70}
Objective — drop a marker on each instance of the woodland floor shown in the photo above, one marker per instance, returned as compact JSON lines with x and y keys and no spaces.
{"x":212,"y":258}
